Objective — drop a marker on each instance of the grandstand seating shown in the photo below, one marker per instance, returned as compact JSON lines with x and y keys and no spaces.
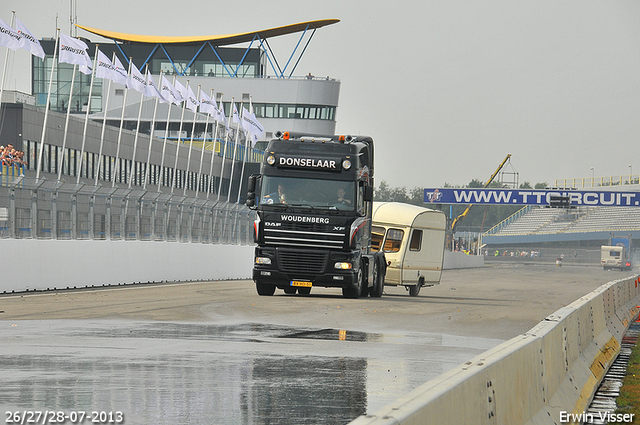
{"x":541,"y":220}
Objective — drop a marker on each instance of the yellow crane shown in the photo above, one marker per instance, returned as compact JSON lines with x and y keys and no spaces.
{"x":462,"y":216}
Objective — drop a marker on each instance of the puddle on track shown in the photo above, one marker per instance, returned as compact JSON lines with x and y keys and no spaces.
{"x":193,"y":373}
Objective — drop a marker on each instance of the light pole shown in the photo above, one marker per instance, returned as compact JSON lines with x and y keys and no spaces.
{"x":630,"y":175}
{"x":592,"y":177}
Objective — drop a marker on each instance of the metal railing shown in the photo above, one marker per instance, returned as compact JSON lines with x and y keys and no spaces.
{"x":43,"y":209}
{"x":504,"y":223}
{"x":598,"y":181}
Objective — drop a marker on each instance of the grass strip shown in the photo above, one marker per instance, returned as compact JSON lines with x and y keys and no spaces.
{"x":629,"y":399}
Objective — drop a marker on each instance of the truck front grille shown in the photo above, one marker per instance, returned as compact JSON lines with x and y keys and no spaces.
{"x":302,"y":261}
{"x":303,"y":235}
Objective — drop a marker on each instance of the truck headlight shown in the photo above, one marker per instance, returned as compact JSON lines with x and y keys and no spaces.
{"x":263,"y":260}
{"x":346,"y":164}
{"x":343,"y":265}
{"x":271,"y":160}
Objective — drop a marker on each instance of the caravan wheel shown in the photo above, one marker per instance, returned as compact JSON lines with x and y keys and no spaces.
{"x":415,"y":290}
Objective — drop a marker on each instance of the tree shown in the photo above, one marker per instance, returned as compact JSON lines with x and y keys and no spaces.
{"x":541,"y":185}
{"x":526,"y":185}
{"x":475,"y":183}
{"x":383,"y":193}
{"x":416,"y":196}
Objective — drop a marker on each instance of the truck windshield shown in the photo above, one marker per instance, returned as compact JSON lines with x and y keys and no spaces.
{"x":332,"y":194}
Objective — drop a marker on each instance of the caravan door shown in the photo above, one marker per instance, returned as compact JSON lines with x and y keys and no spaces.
{"x":423,"y":256}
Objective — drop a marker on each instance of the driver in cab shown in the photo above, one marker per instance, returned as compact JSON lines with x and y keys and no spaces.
{"x":342,"y":199}
{"x":276,"y":197}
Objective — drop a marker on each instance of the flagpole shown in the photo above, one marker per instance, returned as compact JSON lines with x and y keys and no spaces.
{"x":164,"y":144}
{"x":193,"y":131}
{"x":66,"y":122}
{"x":235,"y":149}
{"x":175,"y":166}
{"x":86,"y":118}
{"x":124,"y":103}
{"x":6,"y":62}
{"x":46,"y":110}
{"x":104,"y":125}
{"x":213,"y":152}
{"x":246,"y":151}
{"x":151,"y":129}
{"x":204,"y":144}
{"x":224,"y":155}
{"x":135,"y":139}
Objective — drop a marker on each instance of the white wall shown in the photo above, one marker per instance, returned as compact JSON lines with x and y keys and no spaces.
{"x":30,"y":264}
{"x":460,"y":260}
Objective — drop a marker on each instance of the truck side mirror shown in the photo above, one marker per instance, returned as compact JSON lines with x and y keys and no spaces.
{"x":368,"y":193}
{"x":251,"y":191}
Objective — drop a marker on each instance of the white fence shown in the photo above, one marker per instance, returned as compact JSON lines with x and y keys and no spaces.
{"x":58,"y":235}
{"x":35,"y":264}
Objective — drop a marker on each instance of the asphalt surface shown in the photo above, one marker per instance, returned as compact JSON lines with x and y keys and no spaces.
{"x":217,"y":353}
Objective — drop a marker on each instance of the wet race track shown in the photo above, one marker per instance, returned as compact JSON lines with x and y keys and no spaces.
{"x":217,"y":353}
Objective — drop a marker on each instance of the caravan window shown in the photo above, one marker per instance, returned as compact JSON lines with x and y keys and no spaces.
{"x":377,"y":235}
{"x":393,"y":242}
{"x":416,"y":240}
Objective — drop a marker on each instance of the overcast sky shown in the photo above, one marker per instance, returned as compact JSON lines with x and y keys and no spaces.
{"x":446,"y":88}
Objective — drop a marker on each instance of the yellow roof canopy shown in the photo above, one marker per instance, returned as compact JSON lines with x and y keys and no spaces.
{"x":218,"y":40}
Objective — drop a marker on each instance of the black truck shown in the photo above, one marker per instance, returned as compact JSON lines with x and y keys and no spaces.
{"x":314,"y":201}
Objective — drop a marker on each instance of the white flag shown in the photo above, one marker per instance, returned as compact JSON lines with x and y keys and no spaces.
{"x":136,"y":80}
{"x":104,"y":68}
{"x":74,"y":51}
{"x":152,"y":89}
{"x":236,"y":116}
{"x":222,"y":117}
{"x":8,"y":37}
{"x":28,"y":41}
{"x":121,"y":73}
{"x":252,"y":126}
{"x":182,"y":90}
{"x":208,"y":105}
{"x":169,"y":92}
{"x":192,"y":100}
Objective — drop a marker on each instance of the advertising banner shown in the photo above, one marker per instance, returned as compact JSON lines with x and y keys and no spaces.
{"x":532,"y":197}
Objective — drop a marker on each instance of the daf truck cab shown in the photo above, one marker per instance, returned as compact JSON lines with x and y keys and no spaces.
{"x":314,"y":203}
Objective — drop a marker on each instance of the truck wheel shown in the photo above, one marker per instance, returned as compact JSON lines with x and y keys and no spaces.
{"x":355,"y":291}
{"x":376,"y":291}
{"x":304,"y":290}
{"x":264,"y":289}
{"x":364,"y":287}
{"x":290,"y":290}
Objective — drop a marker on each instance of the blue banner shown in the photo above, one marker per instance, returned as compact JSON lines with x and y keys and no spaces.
{"x":531,"y":197}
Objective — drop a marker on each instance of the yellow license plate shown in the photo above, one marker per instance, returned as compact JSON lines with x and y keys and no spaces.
{"x":300,"y":283}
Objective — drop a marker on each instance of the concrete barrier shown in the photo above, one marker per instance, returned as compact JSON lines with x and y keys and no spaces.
{"x":537,"y":378}
{"x":460,"y":260}
{"x":34,"y":264}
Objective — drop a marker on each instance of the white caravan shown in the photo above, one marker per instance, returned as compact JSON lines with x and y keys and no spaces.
{"x":412,"y":239}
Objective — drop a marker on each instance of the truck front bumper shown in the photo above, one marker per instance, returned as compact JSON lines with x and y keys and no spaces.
{"x":283,"y":273}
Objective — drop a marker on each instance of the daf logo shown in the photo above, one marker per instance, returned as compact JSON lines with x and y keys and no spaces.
{"x":269,"y":224}
{"x":339,"y":228}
